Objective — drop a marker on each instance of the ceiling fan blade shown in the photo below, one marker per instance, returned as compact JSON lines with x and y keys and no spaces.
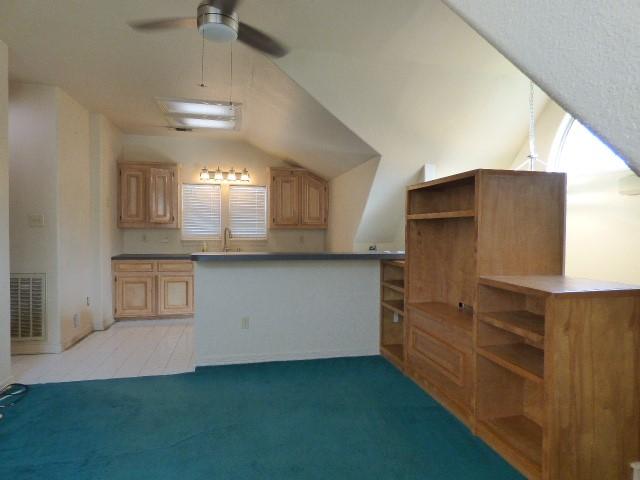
{"x":164,"y":24}
{"x":261,"y":41}
{"x":227,"y":6}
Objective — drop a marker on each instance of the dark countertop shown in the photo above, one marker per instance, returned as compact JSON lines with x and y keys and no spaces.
{"x":261,"y":256}
{"x":152,"y":256}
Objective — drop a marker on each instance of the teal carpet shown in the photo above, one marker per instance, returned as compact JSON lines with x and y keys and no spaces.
{"x":348,"y":418}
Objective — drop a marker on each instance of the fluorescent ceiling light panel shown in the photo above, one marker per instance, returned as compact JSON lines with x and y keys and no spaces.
{"x":203,"y":122}
{"x":198,"y":107}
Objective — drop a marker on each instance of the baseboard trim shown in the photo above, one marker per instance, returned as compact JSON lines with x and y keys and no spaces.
{"x":212,"y":360}
{"x":34,"y":348}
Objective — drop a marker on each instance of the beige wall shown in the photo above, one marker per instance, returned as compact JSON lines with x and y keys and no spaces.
{"x":193,"y":153}
{"x":106,"y":146}
{"x":603,"y":226}
{"x":75,"y":246}
{"x":5,"y":344}
{"x":349,"y":195}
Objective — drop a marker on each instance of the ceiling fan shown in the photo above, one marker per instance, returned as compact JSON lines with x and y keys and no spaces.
{"x":217,"y":20}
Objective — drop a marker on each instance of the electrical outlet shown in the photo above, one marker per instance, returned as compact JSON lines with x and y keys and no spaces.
{"x":144,"y":237}
{"x":301,"y":239}
{"x":245,"y":323}
{"x":396,"y":317}
{"x":76,"y":320}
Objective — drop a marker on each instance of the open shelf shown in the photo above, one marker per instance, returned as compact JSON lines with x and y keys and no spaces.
{"x":519,"y":358}
{"x":394,"y":305}
{"x":442,"y":215}
{"x":525,"y":324}
{"x":397,"y":285}
{"x":446,"y":313}
{"x":396,"y":352}
{"x":520,"y":434}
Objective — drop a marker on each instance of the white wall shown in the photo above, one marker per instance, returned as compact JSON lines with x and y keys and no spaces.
{"x":603,"y":226}
{"x":584,"y":53}
{"x":5,"y":344}
{"x":193,"y":153}
{"x":315,"y":309}
{"x":33,"y":154}
{"x":106,"y":145}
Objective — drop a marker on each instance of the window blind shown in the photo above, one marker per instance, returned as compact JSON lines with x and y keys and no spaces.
{"x":248,"y":212}
{"x":201,"y":212}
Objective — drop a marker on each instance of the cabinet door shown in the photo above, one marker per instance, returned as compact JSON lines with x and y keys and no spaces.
{"x":285,"y":200}
{"x":313,"y":201}
{"x":133,"y":181}
{"x":162,"y":196}
{"x":175,"y":294}
{"x":134,"y":296}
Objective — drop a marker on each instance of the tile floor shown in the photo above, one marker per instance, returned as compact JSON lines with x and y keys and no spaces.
{"x":128,"y":349}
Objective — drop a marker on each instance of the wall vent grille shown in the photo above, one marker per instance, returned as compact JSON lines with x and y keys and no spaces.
{"x":28,"y":301}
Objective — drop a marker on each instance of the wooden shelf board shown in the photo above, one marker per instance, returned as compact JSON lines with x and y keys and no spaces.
{"x":525,"y":324}
{"x":519,"y":358}
{"x":519,"y":434}
{"x":447,"y":313}
{"x":396,"y":351}
{"x":394,"y":263}
{"x":397,"y":285}
{"x":441,"y":215}
{"x":394,"y":305}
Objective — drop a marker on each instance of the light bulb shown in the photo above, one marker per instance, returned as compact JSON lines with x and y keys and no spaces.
{"x":231,"y":176}
{"x":217,"y":176}
{"x":245,"y":176}
{"x":204,"y":175}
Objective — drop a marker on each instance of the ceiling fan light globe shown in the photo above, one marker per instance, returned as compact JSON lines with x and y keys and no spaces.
{"x":215,"y":25}
{"x":218,"y":32}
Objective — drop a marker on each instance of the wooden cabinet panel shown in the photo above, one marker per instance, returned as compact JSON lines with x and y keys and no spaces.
{"x":175,"y":294}
{"x":161,"y":195}
{"x":298,"y":199}
{"x":132,"y":195}
{"x":134,"y":266}
{"x":313,"y":201}
{"x":285,"y":200}
{"x":134,"y":295}
{"x":149,"y":196}
{"x":175,"y":266}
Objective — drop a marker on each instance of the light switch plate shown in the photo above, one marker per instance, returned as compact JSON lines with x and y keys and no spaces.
{"x":36,"y":220}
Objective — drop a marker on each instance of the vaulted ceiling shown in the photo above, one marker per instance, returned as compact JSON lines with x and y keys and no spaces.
{"x":87,"y":48}
{"x":408,"y":82}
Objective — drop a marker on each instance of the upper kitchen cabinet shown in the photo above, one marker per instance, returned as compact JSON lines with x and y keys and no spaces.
{"x":148,"y":196}
{"x":298,"y":199}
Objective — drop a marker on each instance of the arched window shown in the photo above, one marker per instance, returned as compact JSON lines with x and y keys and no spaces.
{"x":603,"y":218}
{"x":582,"y":155}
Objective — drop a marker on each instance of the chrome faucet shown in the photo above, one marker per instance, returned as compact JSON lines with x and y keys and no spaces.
{"x":227,"y":236}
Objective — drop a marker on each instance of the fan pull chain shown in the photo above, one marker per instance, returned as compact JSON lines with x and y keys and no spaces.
{"x":202,"y":65}
{"x":533,"y":154}
{"x":231,"y":74}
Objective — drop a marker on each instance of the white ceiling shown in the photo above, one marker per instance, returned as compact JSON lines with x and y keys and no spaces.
{"x":86,"y":48}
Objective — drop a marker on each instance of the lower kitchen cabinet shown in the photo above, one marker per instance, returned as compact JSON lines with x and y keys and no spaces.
{"x":152,"y":289}
{"x":175,"y":294}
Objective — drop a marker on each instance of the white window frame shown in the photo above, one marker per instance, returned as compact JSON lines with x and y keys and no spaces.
{"x":195,"y":238}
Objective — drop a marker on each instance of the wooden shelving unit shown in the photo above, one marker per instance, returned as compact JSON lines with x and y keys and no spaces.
{"x":392,"y":312}
{"x":547,"y":348}
{"x":475,"y":223}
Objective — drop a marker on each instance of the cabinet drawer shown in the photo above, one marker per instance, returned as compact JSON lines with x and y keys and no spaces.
{"x":175,"y":266}
{"x":125,"y":266}
{"x":440,"y":355}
